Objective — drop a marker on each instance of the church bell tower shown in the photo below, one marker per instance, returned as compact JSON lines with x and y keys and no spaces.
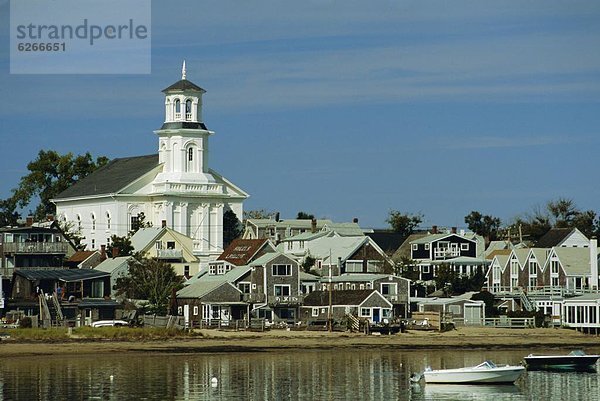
{"x":183,"y":137}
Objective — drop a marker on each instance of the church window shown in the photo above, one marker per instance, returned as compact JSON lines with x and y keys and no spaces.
{"x":177,"y":109}
{"x":135,"y":222}
{"x":107,"y":220}
{"x":188,"y":110}
{"x":93,"y":218}
{"x":190,"y":154}
{"x":79,"y":222}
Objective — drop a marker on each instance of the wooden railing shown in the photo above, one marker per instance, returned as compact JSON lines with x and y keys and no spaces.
{"x":35,"y":247}
{"x":510,"y":322}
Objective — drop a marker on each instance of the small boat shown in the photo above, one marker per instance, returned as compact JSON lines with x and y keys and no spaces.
{"x":485,"y":372}
{"x":575,"y":360}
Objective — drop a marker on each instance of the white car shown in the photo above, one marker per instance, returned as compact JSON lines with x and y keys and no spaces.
{"x":110,"y":323}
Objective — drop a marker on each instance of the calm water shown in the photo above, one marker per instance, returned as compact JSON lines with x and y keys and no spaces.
{"x":310,"y":375}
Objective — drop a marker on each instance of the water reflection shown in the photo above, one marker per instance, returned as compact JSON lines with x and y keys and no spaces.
{"x":309,"y":375}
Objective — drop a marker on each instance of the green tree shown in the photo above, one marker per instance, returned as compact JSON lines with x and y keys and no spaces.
{"x":122,"y":244}
{"x":489,"y":300}
{"x":308,"y":263}
{"x":138,"y":223}
{"x":232,"y":227}
{"x":8,"y":212}
{"x":485,"y":225}
{"x":50,"y":174}
{"x":404,"y":223}
{"x":257,"y":214}
{"x":150,"y":279}
{"x":304,"y":216}
{"x":563,"y":211}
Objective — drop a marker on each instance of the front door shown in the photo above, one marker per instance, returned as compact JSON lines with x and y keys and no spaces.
{"x":376,"y":317}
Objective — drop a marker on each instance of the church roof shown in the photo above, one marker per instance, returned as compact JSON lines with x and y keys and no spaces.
{"x":111,"y":178}
{"x":183,"y":85}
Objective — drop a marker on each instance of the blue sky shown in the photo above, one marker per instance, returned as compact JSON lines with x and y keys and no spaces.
{"x":348,"y":108}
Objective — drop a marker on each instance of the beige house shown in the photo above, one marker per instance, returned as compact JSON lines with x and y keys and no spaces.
{"x":169,"y":246}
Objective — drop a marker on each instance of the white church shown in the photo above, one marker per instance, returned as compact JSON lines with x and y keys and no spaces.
{"x":175,"y":187}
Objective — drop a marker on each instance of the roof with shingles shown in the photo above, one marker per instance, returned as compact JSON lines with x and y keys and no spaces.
{"x":387,"y":240}
{"x":112,"y":264}
{"x":183,"y":85}
{"x":80,"y":256}
{"x":112,"y":177}
{"x":200,"y":288}
{"x":554,"y":237}
{"x":67,"y":275}
{"x":359,"y":277}
{"x":575,"y":261}
{"x":241,"y":251}
{"x":404,"y":250}
{"x":338,"y":297}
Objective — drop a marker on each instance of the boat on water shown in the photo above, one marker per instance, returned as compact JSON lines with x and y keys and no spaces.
{"x":575,"y":360}
{"x":485,"y":372}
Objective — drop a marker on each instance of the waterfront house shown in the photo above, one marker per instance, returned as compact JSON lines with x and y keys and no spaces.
{"x":31,"y":247}
{"x":365,"y":304}
{"x":436,"y":249}
{"x":460,"y":309}
{"x":393,"y":288}
{"x":213,"y":300}
{"x":275,"y":291}
{"x":582,"y":312}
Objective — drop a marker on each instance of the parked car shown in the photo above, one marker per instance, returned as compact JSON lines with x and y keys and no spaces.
{"x":110,"y":323}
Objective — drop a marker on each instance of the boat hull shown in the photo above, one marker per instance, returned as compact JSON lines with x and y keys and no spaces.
{"x":573,"y":362}
{"x":508,"y":374}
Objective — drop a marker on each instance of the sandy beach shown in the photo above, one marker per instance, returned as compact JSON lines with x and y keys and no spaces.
{"x":211,"y":341}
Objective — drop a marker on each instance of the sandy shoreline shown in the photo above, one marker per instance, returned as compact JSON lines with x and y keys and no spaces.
{"x":222,"y":341}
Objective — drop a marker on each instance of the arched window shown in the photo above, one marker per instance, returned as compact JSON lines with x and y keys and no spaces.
{"x":177,"y":109}
{"x":188,"y":110}
{"x":190,"y":159}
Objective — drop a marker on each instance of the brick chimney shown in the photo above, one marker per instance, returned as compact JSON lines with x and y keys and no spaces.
{"x":103,"y":251}
{"x":49,"y":217}
{"x":29,"y":221}
{"x":453,"y":230}
{"x":163,"y":223}
{"x":277,"y":217}
{"x":434,"y":230}
{"x":313,"y":226}
{"x":115,"y":252}
{"x":355,"y":220}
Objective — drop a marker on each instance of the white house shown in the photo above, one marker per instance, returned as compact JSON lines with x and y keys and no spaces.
{"x":175,"y":187}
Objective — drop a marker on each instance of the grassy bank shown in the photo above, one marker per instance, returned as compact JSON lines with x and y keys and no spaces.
{"x":86,"y":341}
{"x":92,"y":334}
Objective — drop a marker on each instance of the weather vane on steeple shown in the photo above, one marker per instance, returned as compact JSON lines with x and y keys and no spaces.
{"x":183,"y":70}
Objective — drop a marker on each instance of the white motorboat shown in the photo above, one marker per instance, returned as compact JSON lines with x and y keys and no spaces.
{"x":576,"y":360}
{"x":486,"y":372}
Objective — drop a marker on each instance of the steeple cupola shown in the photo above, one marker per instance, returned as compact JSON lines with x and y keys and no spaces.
{"x":183,"y":101}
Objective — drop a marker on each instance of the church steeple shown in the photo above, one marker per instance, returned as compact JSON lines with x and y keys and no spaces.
{"x":183,"y":101}
{"x":183,"y":137}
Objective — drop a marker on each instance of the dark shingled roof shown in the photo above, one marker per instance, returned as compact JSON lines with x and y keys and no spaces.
{"x":111,"y":178}
{"x":68,"y":275}
{"x":184,"y":125}
{"x":241,"y":251}
{"x":553,"y":237}
{"x":338,"y":297}
{"x":183,"y":85}
{"x":388,"y":240}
